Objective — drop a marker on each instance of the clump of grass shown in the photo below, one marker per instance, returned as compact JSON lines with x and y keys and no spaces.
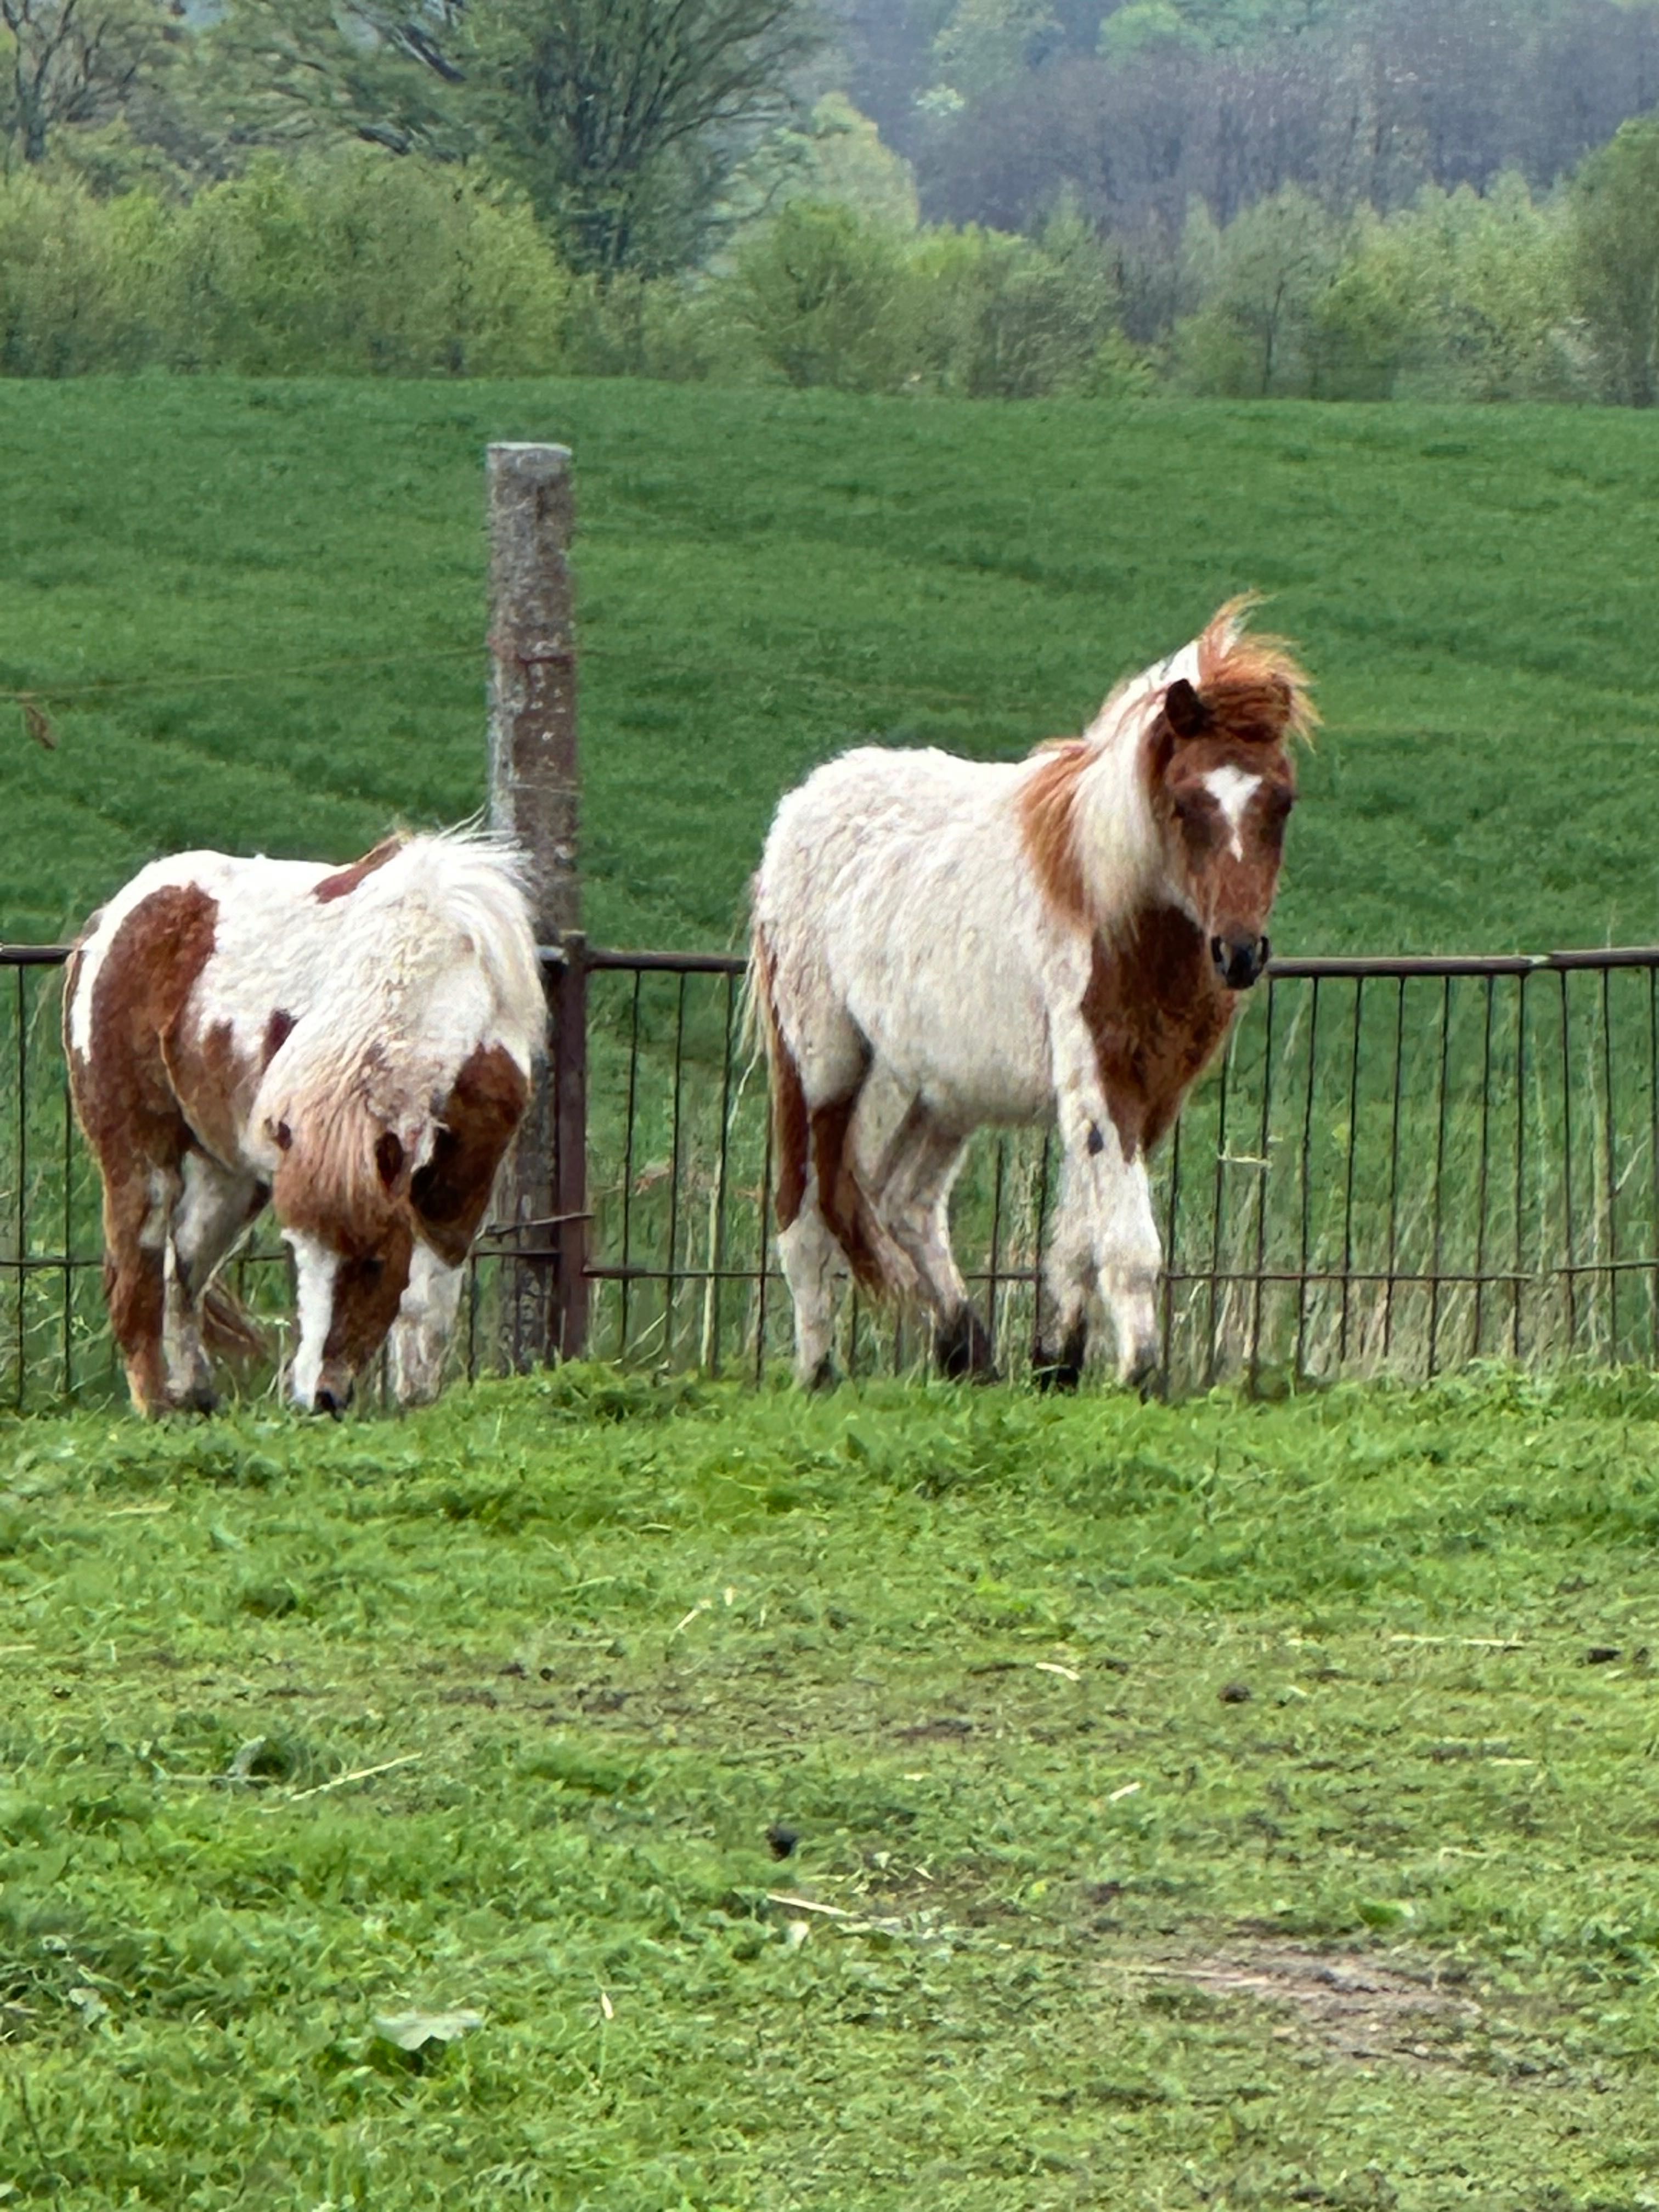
{"x":1113,"y":1745}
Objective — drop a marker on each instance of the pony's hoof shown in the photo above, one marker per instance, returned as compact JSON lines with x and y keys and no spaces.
{"x":1062,"y":1370}
{"x":1143,"y":1375}
{"x":964,"y":1349}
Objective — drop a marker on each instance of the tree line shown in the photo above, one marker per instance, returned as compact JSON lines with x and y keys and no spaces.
{"x":689,"y":189}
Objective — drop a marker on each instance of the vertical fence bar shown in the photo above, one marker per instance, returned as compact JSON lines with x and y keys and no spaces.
{"x":69,"y":1244}
{"x":1610,"y":1174}
{"x":1653,"y":1151}
{"x":628,"y":1160}
{"x":1566,"y":1165}
{"x":23,"y":1176}
{"x":1394,"y":1167}
{"x":717,"y":1242}
{"x":1218,"y":1205}
{"x":1520,"y":1161}
{"x":994,"y":1278}
{"x":1436,"y":1247}
{"x":569,"y":1303}
{"x":669,"y":1298}
{"x":1307,"y":1182}
{"x":1261,"y":1172}
{"x":1480,"y":1178}
{"x":1354,"y":1155}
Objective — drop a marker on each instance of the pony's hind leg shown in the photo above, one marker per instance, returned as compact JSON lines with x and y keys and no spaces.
{"x":913,"y":1204}
{"x":815,"y":1267}
{"x":139,"y":1196}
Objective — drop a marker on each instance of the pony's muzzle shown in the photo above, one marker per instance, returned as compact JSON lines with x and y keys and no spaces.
{"x":331,"y":1402}
{"x":1239,"y":961}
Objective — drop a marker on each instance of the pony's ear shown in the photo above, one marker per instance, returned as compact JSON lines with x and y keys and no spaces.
{"x":1184,"y":711}
{"x":389,"y":1157}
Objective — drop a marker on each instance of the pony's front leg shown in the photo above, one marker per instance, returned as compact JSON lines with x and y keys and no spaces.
{"x":426,"y":1321}
{"x":1130,"y":1260}
{"x":215,"y":1205}
{"x":1105,"y":1238}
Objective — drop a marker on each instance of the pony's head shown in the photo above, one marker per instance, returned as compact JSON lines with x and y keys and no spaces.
{"x":1222,"y":783}
{"x":340,"y":1192}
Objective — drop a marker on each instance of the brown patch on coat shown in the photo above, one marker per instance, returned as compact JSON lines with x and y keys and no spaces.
{"x":449,"y":1194}
{"x":1048,"y":823}
{"x":279,"y":1028}
{"x":791,"y":1135}
{"x":1156,"y":1012}
{"x":126,"y":1104}
{"x":213,"y":1082}
{"x":343,"y":884}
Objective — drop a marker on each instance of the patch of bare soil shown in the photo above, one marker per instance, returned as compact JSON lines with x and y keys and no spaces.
{"x":1354,"y":2007}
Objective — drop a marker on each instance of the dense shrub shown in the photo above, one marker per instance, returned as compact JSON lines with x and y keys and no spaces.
{"x":358,"y":264}
{"x":1614,"y":261}
{"x":827,"y":297}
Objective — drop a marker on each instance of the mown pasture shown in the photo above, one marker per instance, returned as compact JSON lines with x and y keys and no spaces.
{"x":1230,"y":1805}
{"x":289,"y":578}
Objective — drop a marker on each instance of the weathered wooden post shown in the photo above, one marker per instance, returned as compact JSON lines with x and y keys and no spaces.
{"x":534,"y":790}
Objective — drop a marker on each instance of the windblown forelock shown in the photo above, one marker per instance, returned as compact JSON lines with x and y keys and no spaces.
{"x":1254,"y":689}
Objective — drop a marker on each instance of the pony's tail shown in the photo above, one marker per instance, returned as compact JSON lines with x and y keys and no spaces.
{"x":803,"y":1141}
{"x":229,"y":1328}
{"x":791,"y":1126}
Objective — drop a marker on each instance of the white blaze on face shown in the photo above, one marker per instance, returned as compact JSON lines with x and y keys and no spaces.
{"x":1232,"y":790}
{"x":316,"y":1266}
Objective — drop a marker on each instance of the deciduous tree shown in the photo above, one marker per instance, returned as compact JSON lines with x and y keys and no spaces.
{"x":76,"y":61}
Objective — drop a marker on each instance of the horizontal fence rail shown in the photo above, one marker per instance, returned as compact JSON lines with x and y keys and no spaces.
{"x":1399,"y":1164}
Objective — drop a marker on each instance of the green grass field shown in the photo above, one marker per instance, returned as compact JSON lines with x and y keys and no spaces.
{"x":1217,"y":1805}
{"x":765,"y":578}
{"x":1234,"y":1806}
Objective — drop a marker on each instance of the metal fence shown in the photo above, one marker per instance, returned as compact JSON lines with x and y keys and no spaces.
{"x":1399,"y":1164}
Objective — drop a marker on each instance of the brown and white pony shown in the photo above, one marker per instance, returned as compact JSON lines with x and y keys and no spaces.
{"x":353,"y":1045}
{"x":938,"y":944}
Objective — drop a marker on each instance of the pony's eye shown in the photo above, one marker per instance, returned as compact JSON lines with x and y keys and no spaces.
{"x":373,"y":1270}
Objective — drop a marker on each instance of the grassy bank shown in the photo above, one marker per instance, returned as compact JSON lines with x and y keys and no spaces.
{"x":1223,"y":1805}
{"x":289,"y":576}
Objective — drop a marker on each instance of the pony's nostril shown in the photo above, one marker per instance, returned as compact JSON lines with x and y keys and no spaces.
{"x":1218,"y":954}
{"x":326,"y":1402}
